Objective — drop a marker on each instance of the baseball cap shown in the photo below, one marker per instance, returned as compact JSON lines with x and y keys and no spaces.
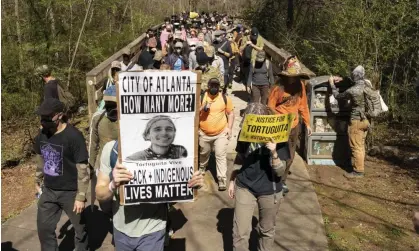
{"x":110,"y":94}
{"x":219,"y":32}
{"x":213,"y":81}
{"x":43,"y":70}
{"x":254,"y":32}
{"x":199,"y":44}
{"x":50,"y":106}
{"x":116,"y":64}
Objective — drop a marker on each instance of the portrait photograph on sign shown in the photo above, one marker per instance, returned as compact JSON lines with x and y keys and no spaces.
{"x":157,"y":125}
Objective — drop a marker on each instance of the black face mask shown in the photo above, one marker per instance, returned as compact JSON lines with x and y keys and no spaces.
{"x":49,"y":127}
{"x":112,"y":114}
{"x":254,"y":41}
{"x":214,"y":90}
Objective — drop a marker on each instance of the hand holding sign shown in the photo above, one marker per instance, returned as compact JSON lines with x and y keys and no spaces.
{"x":197,"y":180}
{"x":120,"y":174}
{"x":271,"y":146}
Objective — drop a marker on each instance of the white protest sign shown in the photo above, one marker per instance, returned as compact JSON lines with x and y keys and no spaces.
{"x":158,"y":134}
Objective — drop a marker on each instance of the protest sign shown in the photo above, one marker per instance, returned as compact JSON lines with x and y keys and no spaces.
{"x":158,"y":124}
{"x":263,"y":128}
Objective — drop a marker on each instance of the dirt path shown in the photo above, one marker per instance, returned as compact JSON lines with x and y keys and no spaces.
{"x":374,"y":213}
{"x":17,"y":189}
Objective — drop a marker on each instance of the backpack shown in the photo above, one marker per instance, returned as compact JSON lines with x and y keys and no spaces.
{"x":373,"y":106}
{"x":247,"y":53}
{"x":212,"y":72}
{"x":66,"y":97}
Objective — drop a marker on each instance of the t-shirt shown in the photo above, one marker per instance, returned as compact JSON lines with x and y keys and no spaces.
{"x":135,"y":220}
{"x":214,"y":121}
{"x":51,"y":89}
{"x":178,"y":65}
{"x":61,"y":153}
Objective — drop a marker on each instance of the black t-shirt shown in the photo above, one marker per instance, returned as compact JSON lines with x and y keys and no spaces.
{"x":51,"y":89}
{"x":61,"y":153}
{"x":256,"y":173}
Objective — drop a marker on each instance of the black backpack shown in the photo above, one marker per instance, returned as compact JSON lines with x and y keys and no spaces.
{"x":247,"y":54}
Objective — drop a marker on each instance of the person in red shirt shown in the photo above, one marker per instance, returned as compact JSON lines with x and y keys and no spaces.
{"x":290,"y":97}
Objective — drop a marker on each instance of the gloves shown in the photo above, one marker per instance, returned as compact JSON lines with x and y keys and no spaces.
{"x":220,"y":51}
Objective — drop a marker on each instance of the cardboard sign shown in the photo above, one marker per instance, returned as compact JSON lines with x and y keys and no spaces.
{"x":158,"y":134}
{"x":263,"y":128}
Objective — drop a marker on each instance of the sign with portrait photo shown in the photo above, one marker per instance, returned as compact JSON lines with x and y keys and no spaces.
{"x":158,"y":123}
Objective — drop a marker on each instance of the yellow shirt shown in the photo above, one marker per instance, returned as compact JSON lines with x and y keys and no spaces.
{"x":214,"y":121}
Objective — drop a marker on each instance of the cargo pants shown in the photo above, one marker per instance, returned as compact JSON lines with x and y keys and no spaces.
{"x":357,"y":132}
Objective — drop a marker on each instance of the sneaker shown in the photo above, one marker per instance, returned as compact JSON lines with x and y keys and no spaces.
{"x":285,"y":188}
{"x":222,"y":184}
{"x":354,"y":175}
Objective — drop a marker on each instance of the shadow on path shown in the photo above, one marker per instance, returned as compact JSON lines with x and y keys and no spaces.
{"x":98,"y":226}
{"x":7,"y":246}
{"x":225,"y":227}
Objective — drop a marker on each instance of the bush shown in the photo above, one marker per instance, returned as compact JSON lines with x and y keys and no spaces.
{"x":18,"y":105}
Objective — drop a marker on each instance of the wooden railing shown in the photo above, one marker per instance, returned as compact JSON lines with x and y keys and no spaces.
{"x":95,"y":77}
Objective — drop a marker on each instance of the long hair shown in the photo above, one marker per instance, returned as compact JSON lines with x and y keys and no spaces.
{"x":258,"y":109}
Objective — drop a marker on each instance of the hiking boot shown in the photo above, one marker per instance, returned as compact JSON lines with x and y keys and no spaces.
{"x":222,"y":184}
{"x":354,"y":175}
{"x":285,"y":188}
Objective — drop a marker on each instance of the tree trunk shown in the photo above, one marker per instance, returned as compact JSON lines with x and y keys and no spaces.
{"x":19,"y":40}
{"x":78,"y":41}
{"x":290,"y":17}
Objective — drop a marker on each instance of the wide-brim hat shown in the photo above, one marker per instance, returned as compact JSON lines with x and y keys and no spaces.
{"x":292,"y":68}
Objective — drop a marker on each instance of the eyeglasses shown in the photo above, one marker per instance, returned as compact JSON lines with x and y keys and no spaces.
{"x":178,"y":48}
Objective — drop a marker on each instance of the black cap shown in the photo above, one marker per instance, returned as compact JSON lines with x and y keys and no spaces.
{"x":254,"y":32}
{"x":50,"y":106}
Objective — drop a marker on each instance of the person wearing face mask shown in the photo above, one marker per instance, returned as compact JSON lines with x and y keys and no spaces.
{"x":176,"y":60}
{"x":223,"y":49}
{"x":256,"y":181}
{"x":103,"y":128}
{"x":192,"y":56}
{"x":62,"y":166}
{"x":216,"y":119}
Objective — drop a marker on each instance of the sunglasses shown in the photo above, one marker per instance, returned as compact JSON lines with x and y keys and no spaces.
{"x":178,"y":48}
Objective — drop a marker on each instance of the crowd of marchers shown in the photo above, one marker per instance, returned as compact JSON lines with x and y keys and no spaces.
{"x":223,"y":50}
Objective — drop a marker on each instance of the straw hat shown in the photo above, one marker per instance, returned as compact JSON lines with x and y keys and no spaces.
{"x":292,"y":68}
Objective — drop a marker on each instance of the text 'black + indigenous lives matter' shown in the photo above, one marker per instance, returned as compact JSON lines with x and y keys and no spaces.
{"x":159,"y":184}
{"x":161,"y":94}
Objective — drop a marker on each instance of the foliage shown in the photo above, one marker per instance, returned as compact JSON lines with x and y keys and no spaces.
{"x":332,"y":37}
